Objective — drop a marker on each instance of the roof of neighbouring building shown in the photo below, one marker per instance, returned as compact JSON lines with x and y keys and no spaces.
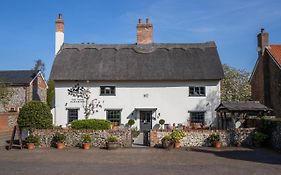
{"x":242,"y":106}
{"x":119,"y":62}
{"x":17,"y":77}
{"x":275,"y":51}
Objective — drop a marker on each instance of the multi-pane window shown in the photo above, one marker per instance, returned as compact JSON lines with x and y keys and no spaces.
{"x":107,"y":90}
{"x":197,"y":117}
{"x":114,"y":116}
{"x":197,"y":91}
{"x":72,"y":115}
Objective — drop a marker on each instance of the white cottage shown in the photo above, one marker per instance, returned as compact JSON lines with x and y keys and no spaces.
{"x":144,"y":81}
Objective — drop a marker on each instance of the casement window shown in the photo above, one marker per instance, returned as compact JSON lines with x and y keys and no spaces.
{"x":197,"y":91}
{"x":197,"y":117}
{"x":107,"y":90}
{"x":114,"y":116}
{"x":72,"y":115}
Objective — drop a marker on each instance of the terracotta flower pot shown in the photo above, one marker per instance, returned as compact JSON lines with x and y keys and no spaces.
{"x":86,"y":146}
{"x":177,"y":144}
{"x":217,"y":144}
{"x":60,"y":145}
{"x":30,"y":146}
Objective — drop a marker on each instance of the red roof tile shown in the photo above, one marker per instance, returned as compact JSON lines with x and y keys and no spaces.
{"x":275,"y":51}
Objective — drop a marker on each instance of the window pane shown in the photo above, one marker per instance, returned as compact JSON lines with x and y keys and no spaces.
{"x":191,"y":90}
{"x":107,"y":90}
{"x":114,"y":116}
{"x":72,"y":115}
{"x":197,"y":117}
{"x":196,"y":91}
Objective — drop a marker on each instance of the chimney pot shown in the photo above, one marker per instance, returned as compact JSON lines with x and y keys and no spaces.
{"x":144,"y":32}
{"x":59,"y":33}
{"x":262,"y":41}
{"x":147,"y":21}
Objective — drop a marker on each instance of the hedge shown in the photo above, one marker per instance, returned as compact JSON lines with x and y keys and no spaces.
{"x":35,"y":115}
{"x":268,"y":125}
{"x":95,"y":124}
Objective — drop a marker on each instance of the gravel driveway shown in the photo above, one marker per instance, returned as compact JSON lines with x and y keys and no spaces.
{"x":136,"y":161}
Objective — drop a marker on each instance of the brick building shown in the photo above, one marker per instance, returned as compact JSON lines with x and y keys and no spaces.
{"x":26,"y":85}
{"x":266,"y":76}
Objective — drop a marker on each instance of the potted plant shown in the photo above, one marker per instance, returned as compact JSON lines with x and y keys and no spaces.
{"x":167,"y":142}
{"x":112,"y":143}
{"x":59,"y":140}
{"x":131,"y":122}
{"x":176,"y":136}
{"x":161,"y":122}
{"x":259,"y":138}
{"x":32,"y":141}
{"x":215,"y":140}
{"x":86,"y":141}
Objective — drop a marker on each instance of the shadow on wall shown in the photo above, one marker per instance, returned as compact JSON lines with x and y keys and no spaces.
{"x":253,"y":155}
{"x":209,"y":104}
{"x":35,"y":91}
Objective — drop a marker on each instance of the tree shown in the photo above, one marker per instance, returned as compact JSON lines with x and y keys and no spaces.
{"x":235,"y":86}
{"x":40,"y":65}
{"x":50,"y":93}
{"x":5,"y":95}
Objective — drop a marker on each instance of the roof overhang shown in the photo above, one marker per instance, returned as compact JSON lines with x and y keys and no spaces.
{"x":145,"y":109}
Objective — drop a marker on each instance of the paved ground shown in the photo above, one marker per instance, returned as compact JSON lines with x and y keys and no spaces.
{"x":136,"y":161}
{"x":4,"y":136}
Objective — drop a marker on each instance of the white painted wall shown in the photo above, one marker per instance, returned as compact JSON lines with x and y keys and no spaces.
{"x":59,"y":41}
{"x":170,"y":98}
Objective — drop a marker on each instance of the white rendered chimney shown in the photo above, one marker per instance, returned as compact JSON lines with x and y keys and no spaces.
{"x":59,"y":33}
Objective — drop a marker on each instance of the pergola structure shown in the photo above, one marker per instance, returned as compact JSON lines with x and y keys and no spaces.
{"x":233,"y":114}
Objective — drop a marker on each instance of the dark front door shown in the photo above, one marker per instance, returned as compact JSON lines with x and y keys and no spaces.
{"x":145,"y":120}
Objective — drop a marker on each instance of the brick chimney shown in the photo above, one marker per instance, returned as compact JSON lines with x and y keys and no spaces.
{"x":144,"y":32}
{"x":262,"y":41}
{"x":59,"y":33}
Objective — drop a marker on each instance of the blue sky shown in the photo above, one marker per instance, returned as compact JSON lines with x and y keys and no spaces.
{"x":27,"y":27}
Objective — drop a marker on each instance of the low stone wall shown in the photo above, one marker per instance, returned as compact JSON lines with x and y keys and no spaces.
{"x":73,"y":137}
{"x":276,"y":137}
{"x":197,"y":138}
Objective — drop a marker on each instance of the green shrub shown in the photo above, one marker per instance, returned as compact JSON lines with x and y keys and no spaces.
{"x":131,"y":122}
{"x":268,"y":125}
{"x":161,"y":121}
{"x":167,"y":138}
{"x":111,"y":139}
{"x":259,"y":137}
{"x":32,"y":139}
{"x":215,"y":137}
{"x":35,"y":115}
{"x":86,"y":138}
{"x":177,"y":135}
{"x":58,"y":138}
{"x":135,"y":132}
{"x":95,"y":124}
{"x":50,"y":93}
